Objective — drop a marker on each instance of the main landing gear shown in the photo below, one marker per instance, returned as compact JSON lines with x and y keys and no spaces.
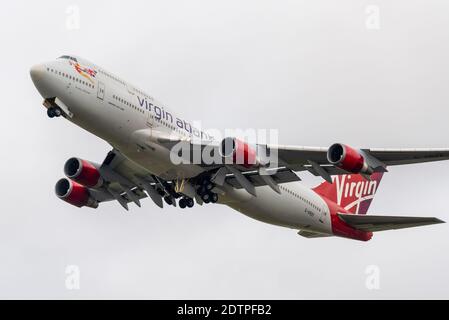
{"x":54,"y":112}
{"x":205,"y":192}
{"x":186,"y":203}
{"x":173,"y":195}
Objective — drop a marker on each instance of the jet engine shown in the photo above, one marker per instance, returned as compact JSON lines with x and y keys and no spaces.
{"x":239,"y":151}
{"x":348,"y":159}
{"x":74,"y":193}
{"x":83,"y":172}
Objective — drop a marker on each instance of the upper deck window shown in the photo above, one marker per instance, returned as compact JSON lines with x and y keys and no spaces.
{"x":68,"y":58}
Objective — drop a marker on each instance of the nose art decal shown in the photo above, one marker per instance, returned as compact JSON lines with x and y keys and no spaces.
{"x":86,"y":72}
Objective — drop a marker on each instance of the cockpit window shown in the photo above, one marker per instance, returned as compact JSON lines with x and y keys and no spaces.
{"x":68,"y":58}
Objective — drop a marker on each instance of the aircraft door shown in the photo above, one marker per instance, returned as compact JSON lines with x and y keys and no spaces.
{"x":150,"y":119}
{"x":323,"y":214}
{"x":101,"y":90}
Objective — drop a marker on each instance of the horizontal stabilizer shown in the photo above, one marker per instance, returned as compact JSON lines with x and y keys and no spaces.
{"x":381,"y":223}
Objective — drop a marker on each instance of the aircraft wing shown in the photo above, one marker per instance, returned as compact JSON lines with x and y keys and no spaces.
{"x":315,"y":160}
{"x":125,"y":182}
{"x":323,"y":162}
{"x":382,"y":223}
{"x":281,"y":175}
{"x":300,"y":156}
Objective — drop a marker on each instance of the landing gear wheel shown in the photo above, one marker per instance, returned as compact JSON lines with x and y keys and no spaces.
{"x":51,"y":112}
{"x":190,"y":202}
{"x":202,"y":191}
{"x":206,"y":198}
{"x":214,"y":198}
{"x":182,"y":203}
{"x":207,"y":185}
{"x":57,"y":111}
{"x":54,"y":112}
{"x":168,"y":200}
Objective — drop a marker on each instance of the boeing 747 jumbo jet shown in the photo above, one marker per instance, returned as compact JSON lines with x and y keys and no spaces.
{"x":147,"y":137}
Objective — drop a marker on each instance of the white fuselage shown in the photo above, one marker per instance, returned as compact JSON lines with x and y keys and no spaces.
{"x":114,"y":110}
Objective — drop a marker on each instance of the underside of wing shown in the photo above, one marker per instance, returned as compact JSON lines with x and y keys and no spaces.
{"x":126,"y":182}
{"x":382,"y":223}
{"x":281,"y":175}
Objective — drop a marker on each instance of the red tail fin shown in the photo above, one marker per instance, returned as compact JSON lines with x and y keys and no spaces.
{"x":352,"y":192}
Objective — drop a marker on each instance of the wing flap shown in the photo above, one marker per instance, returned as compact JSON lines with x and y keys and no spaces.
{"x":382,"y":223}
{"x":282,"y":175}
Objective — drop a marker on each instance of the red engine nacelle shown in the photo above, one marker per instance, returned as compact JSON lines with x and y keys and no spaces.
{"x":83,"y":172}
{"x":240,"y":152}
{"x":74,"y":193}
{"x":348,"y":159}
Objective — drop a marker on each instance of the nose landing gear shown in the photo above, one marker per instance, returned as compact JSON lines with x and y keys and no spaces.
{"x":54,"y":112}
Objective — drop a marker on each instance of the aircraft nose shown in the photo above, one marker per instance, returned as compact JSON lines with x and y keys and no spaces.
{"x":36,"y":72}
{"x":42,"y":81}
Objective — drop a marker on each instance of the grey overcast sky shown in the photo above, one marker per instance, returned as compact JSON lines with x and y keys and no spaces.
{"x":319,"y":71}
